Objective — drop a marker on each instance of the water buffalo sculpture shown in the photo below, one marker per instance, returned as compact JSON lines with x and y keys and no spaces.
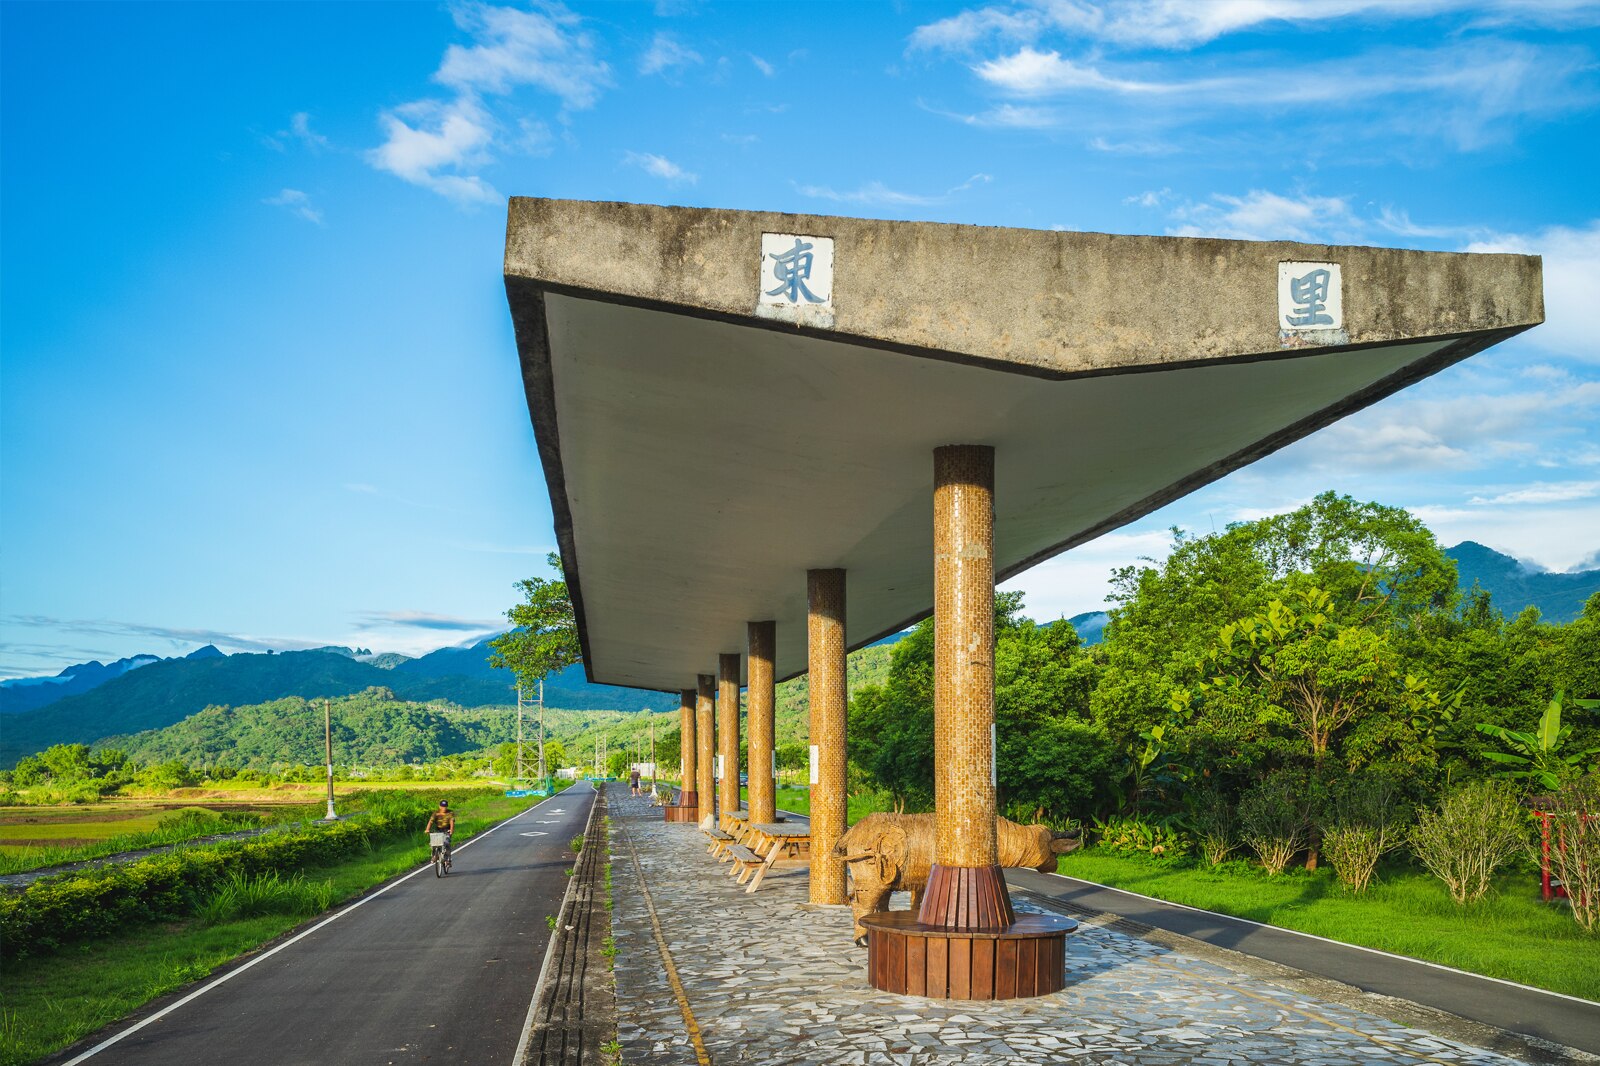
{"x":894,"y":852}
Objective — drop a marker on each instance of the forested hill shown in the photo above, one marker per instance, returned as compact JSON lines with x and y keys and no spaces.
{"x":163,"y":693}
{"x":369,"y":728}
{"x":1513,"y":585}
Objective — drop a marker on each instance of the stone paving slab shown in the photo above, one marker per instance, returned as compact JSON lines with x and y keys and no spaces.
{"x":772,"y":979}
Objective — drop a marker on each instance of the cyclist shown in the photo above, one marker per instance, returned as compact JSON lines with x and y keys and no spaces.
{"x":444,"y":820}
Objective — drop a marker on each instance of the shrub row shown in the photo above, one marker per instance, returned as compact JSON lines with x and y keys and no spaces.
{"x":55,"y":911}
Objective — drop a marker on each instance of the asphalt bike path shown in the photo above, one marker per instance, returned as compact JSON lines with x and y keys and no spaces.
{"x":428,"y":969}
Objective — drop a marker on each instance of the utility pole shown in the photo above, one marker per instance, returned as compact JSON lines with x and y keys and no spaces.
{"x":544,"y":782}
{"x":652,"y":752}
{"x":327,"y":747}
{"x":518,"y":782}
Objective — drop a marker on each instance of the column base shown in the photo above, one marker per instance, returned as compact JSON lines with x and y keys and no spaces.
{"x":686,"y":810}
{"x":967,"y":898}
{"x":912,"y":958}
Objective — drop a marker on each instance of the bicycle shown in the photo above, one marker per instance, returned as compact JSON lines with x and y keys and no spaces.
{"x":441,"y":853}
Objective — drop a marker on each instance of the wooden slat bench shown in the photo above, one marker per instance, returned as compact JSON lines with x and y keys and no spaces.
{"x":720,"y":842}
{"x":745,"y":862}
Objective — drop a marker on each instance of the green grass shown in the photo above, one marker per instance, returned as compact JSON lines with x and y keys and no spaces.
{"x":798,"y":800}
{"x":48,"y":1002}
{"x":1511,"y":934}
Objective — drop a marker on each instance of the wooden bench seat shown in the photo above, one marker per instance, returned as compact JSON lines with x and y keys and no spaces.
{"x":719,"y":843}
{"x":745,"y":862}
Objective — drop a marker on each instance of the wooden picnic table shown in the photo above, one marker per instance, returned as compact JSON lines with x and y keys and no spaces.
{"x":770,"y":840}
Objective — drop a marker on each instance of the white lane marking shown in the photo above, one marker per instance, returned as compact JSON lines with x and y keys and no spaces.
{"x":1313,"y":936}
{"x":535,"y":833}
{"x":231,"y":974}
{"x":549,"y":952}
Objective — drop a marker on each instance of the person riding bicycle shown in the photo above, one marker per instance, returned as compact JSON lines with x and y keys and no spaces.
{"x":444,"y":820}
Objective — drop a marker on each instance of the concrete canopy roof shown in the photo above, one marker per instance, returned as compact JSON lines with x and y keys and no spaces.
{"x":703,"y":449}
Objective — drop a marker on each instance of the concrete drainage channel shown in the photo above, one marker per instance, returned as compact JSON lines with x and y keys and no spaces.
{"x":573,"y":1021}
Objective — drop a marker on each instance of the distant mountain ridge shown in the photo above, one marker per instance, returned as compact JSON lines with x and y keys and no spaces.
{"x":20,"y":694}
{"x":1513,"y":585}
{"x":162,"y":693}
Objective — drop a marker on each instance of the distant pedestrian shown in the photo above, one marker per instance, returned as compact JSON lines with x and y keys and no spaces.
{"x":633,"y":780}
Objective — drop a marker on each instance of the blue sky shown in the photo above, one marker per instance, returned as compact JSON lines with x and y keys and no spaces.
{"x":257,"y":378}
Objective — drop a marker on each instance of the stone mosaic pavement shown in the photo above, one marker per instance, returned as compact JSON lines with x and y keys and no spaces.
{"x":772,"y":979}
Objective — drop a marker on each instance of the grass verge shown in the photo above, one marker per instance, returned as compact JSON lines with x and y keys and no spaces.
{"x":48,"y":1002}
{"x":1511,"y":934}
{"x":798,"y":800}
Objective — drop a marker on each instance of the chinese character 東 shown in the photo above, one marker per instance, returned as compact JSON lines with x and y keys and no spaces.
{"x":793,"y":270}
{"x":1310,"y":295}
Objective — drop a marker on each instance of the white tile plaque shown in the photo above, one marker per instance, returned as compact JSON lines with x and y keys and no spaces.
{"x":796,"y":279}
{"x":1310,"y":298}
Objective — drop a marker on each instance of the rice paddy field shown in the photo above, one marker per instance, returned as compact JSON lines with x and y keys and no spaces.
{"x":32,"y":837}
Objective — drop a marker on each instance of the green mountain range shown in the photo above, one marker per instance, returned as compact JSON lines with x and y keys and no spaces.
{"x":1514,"y":585}
{"x":162,"y":693}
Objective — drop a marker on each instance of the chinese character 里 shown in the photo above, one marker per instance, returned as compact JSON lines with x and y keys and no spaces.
{"x":1310,"y":295}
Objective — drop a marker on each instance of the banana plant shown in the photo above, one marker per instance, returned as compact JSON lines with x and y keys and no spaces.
{"x":1537,"y":757}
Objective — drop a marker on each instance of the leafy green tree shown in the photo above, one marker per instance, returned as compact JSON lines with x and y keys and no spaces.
{"x":1381,"y":568}
{"x":545,"y":637}
{"x":1052,"y":761}
{"x":555,"y":755}
{"x":65,"y":763}
{"x":1302,"y":671}
{"x":617,"y":764}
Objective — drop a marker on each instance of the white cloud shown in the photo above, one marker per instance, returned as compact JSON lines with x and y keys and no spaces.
{"x":1260,"y":215}
{"x":660,"y":167}
{"x":1543,"y":492}
{"x":436,"y":145}
{"x":1135,"y":147}
{"x":1469,"y":92}
{"x":297,"y":203}
{"x":1480,"y":428}
{"x":300,"y":126}
{"x":876,"y":192}
{"x":514,"y":48}
{"x":1149,"y":198}
{"x":1182,"y":24}
{"x":762,"y":65}
{"x":1077,"y":581}
{"x":665,"y":54}
{"x":1571,"y":279}
{"x":441,"y":145}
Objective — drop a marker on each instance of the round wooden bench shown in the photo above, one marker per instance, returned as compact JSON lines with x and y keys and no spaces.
{"x":908,"y":957}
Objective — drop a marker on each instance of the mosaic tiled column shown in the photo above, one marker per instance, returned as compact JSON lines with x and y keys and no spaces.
{"x":825,"y":657}
{"x":965,"y":942}
{"x":704,"y":733}
{"x":728,"y":730}
{"x":761,"y":703}
{"x":966,"y":889}
{"x":687,"y":807}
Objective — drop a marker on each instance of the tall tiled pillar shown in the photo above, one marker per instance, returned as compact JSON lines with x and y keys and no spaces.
{"x":728,"y":730}
{"x":966,"y":889}
{"x":761,"y":702}
{"x":825,"y":655}
{"x":686,"y":809}
{"x":704,"y":733}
